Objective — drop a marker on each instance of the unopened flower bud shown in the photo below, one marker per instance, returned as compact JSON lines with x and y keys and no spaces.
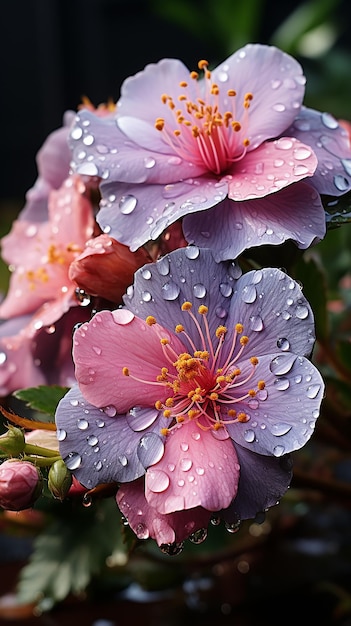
{"x":20,"y":484}
{"x":106,"y":267}
{"x":12,"y":443}
{"x":59,"y":480}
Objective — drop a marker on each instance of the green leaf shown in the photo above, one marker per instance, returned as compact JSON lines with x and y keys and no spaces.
{"x":70,"y":552}
{"x":338,"y":210}
{"x":43,"y":398}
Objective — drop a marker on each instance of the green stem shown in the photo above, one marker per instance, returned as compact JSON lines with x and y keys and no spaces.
{"x":43,"y":462}
{"x":39,"y":450}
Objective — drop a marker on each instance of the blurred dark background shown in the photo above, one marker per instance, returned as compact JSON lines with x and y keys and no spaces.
{"x":56,"y":51}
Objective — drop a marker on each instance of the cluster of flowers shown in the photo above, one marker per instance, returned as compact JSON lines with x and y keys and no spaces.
{"x":191,"y":382}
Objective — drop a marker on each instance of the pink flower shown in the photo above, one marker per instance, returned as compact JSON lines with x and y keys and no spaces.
{"x":235,"y":155}
{"x":193,"y":395}
{"x":40,"y":298}
{"x":20,"y":485}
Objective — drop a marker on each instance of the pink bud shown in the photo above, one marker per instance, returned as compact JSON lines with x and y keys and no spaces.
{"x":106,"y":267}
{"x":20,"y":485}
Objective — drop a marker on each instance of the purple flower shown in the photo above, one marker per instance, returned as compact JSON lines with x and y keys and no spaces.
{"x":236,"y":145}
{"x":193,"y":395}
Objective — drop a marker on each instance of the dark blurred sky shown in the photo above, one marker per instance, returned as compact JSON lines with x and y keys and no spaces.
{"x":55,"y":51}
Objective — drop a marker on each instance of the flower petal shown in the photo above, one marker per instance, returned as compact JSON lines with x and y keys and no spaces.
{"x":195,"y":470}
{"x":295,"y":212}
{"x":276,"y":81}
{"x":147,"y":522}
{"x":271,"y":167}
{"x":263,"y":481}
{"x":115,"y":340}
{"x":282,"y":416}
{"x":188,"y":274}
{"x":330,"y":142}
{"x":154,"y":207}
{"x":100,"y":148}
{"x":96,"y":447}
{"x":274,"y":313}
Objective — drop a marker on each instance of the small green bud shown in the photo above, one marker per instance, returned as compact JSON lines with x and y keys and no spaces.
{"x":59,"y":480}
{"x":12,"y":443}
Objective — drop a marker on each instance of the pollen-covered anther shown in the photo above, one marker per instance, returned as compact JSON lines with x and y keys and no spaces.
{"x":158,"y":405}
{"x":203,"y":309}
{"x":239,"y":328}
{"x":179,"y":328}
{"x":251,"y":393}
{"x":159,"y":123}
{"x":164,"y":341}
{"x":243,"y":417}
{"x":125,"y":371}
{"x":261,"y":385}
{"x":167,"y":413}
{"x":254,"y":361}
{"x":221,"y":331}
{"x":164,"y":431}
{"x":150,"y":320}
{"x":186,"y":306}
{"x":244,"y":340}
{"x":232,"y":413}
{"x":214,"y":396}
{"x":169,"y":402}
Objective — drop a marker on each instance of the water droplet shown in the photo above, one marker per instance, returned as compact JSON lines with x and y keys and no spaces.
{"x":192,"y":252}
{"x":172,"y":549}
{"x":232,"y":527}
{"x":76,"y":133}
{"x":282,"y":364}
{"x":150,"y":449}
{"x":278,"y":451}
{"x":73,"y":460}
{"x":61,"y":434}
{"x":282,"y":384}
{"x":123,"y":460}
{"x":98,"y":466}
{"x":249,"y":436}
{"x":301,"y":312}
{"x":256,"y":323}
{"x":88,"y":140}
{"x":127,"y":204}
{"x":88,"y":169}
{"x":100,"y":423}
{"x":279,"y":107}
{"x":87,"y":500}
{"x":301,"y":153}
{"x":221,"y":312}
{"x":284,"y":143}
{"x":329,"y":121}
{"x":146,"y":274}
{"x":341,"y":183}
{"x":149,"y":162}
{"x":157,"y":480}
{"x":199,"y":536}
{"x":92,"y":440}
{"x":280,"y":429}
{"x":82,"y":424}
{"x":225,"y":289}
{"x":199,"y":290}
{"x":170,"y":291}
{"x":249,"y":294}
{"x":162,"y":266}
{"x":146,"y":296}
{"x":215,"y":520}
{"x":141,"y":531}
{"x":313,"y":391}
{"x":283,"y":343}
{"x":186,"y":464}
{"x":347,"y":166}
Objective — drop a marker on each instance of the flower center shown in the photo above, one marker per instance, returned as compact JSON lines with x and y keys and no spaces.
{"x":205,"y":384}
{"x":203,"y":134}
{"x":55,"y":256}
